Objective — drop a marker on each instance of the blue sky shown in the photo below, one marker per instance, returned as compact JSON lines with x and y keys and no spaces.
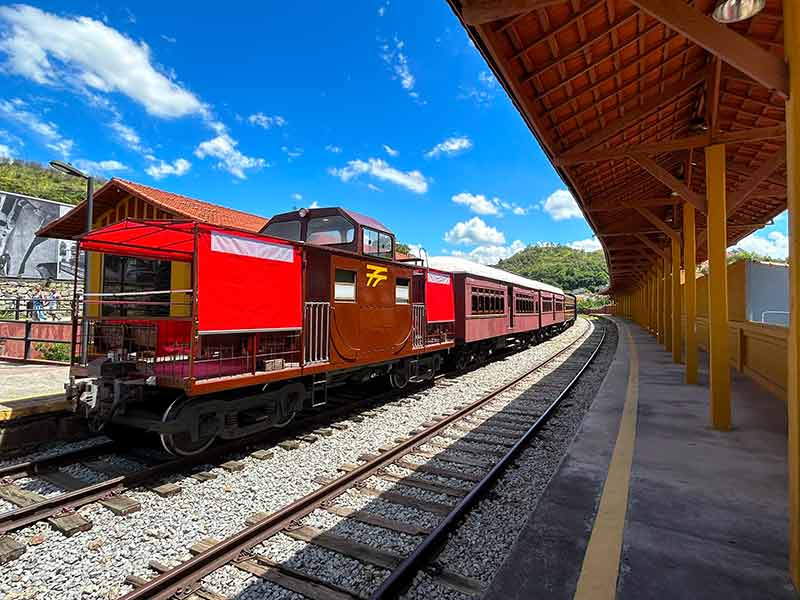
{"x":384,"y":107}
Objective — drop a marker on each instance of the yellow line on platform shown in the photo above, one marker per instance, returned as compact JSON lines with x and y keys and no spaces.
{"x":598,"y":578}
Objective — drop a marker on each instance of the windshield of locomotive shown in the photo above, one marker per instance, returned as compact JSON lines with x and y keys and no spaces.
{"x":330,"y":230}
{"x":287,"y":230}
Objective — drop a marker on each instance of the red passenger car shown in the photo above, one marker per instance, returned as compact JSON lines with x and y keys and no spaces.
{"x":495,"y":308}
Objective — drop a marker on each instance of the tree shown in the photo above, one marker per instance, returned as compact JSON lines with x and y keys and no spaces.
{"x":561,"y":266}
{"x":34,"y":179}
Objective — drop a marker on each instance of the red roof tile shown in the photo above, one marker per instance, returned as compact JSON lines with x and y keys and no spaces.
{"x":194,"y":209}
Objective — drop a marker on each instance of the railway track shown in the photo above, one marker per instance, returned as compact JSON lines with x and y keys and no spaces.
{"x":487,"y":435}
{"x":59,"y":509}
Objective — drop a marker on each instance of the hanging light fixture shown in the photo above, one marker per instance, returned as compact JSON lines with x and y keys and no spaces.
{"x":733,"y":11}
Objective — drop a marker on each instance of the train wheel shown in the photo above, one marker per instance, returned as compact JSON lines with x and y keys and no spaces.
{"x":182,"y":444}
{"x":398,"y":379}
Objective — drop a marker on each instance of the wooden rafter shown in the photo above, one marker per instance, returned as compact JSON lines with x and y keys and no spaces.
{"x":687,"y":143}
{"x":764,"y":67}
{"x":670,"y":93}
{"x":652,"y":245}
{"x":669,"y":180}
{"x":766,"y":169}
{"x":478,"y":12}
{"x":660,"y":225}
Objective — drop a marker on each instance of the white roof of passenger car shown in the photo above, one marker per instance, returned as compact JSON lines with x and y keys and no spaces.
{"x":455,"y":264}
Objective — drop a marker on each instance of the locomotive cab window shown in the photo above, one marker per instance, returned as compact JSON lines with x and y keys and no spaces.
{"x":377,"y":243}
{"x":345,"y":287}
{"x":287,"y":230}
{"x":325,"y":231}
{"x":401,"y":293}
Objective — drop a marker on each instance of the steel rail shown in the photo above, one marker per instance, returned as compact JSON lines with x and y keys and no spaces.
{"x":52,"y":506}
{"x":403,"y":575}
{"x":39,"y":465}
{"x":183,"y":579}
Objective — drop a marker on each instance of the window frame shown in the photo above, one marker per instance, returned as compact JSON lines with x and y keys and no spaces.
{"x":380,"y":237}
{"x":398,"y":287}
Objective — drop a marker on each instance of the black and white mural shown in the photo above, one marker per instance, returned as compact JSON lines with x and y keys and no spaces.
{"x":22,"y":254}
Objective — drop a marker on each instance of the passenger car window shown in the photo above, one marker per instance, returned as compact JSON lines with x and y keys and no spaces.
{"x":345,"y":286}
{"x":330,"y":230}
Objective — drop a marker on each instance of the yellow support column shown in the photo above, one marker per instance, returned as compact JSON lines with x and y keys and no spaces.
{"x":677,"y":346}
{"x":660,"y":301}
{"x":690,"y":290}
{"x":718,"y":368}
{"x":667,"y":304}
{"x":791,"y":25}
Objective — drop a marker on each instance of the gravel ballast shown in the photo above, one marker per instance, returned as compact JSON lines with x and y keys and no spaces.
{"x":94,"y":564}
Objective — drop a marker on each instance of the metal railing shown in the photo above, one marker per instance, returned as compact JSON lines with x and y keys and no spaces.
{"x":418,"y":326}
{"x":317,"y":334}
{"x":30,"y":308}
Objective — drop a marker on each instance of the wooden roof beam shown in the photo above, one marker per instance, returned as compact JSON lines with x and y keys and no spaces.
{"x":638,"y":112}
{"x":652,"y":245}
{"x":478,"y":12}
{"x":645,"y":202}
{"x":766,"y":68}
{"x":767,"y":168}
{"x":687,"y":143}
{"x":660,"y":225}
{"x":669,"y":180}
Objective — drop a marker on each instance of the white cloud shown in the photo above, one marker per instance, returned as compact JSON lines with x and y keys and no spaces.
{"x":266,"y":121}
{"x":380,"y":169}
{"x":587,"y":245}
{"x":53,"y":50}
{"x":560,"y":205}
{"x":518,"y":210}
{"x":393,"y":55}
{"x":390,"y":151}
{"x":449,"y":147}
{"x":223,"y":148}
{"x":491,"y":254}
{"x":129,"y":136}
{"x":474,"y":231}
{"x":16,"y":110}
{"x":5,"y":152}
{"x":374,"y":187}
{"x":484,"y":92}
{"x":161,"y":169}
{"x":168,"y":38}
{"x":775,"y":244}
{"x":314,"y":204}
{"x":292,"y":153}
{"x":333,"y":149}
{"x":297,"y":196}
{"x":478,"y":203}
{"x":383,"y":8}
{"x":100,"y":167}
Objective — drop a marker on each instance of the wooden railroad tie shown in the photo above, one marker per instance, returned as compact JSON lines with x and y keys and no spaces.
{"x":68,"y":523}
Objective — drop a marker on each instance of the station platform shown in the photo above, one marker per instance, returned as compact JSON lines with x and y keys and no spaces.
{"x":650,"y":502}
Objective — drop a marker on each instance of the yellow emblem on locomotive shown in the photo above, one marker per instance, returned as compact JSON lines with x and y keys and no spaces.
{"x":376,"y":274}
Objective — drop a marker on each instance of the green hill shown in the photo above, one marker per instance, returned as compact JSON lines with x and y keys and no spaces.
{"x":34,"y":179}
{"x":561,"y":266}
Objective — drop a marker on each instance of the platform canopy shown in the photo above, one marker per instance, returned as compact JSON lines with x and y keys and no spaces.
{"x":623,"y":95}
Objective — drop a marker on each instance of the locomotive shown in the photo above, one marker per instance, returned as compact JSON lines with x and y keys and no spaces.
{"x":269,"y":322}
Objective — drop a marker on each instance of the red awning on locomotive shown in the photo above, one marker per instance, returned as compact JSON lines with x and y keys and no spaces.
{"x":246,"y":282}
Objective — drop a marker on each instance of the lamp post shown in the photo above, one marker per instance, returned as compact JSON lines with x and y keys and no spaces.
{"x":68,"y":169}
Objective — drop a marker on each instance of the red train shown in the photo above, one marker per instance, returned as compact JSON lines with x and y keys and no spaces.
{"x":269,"y":322}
